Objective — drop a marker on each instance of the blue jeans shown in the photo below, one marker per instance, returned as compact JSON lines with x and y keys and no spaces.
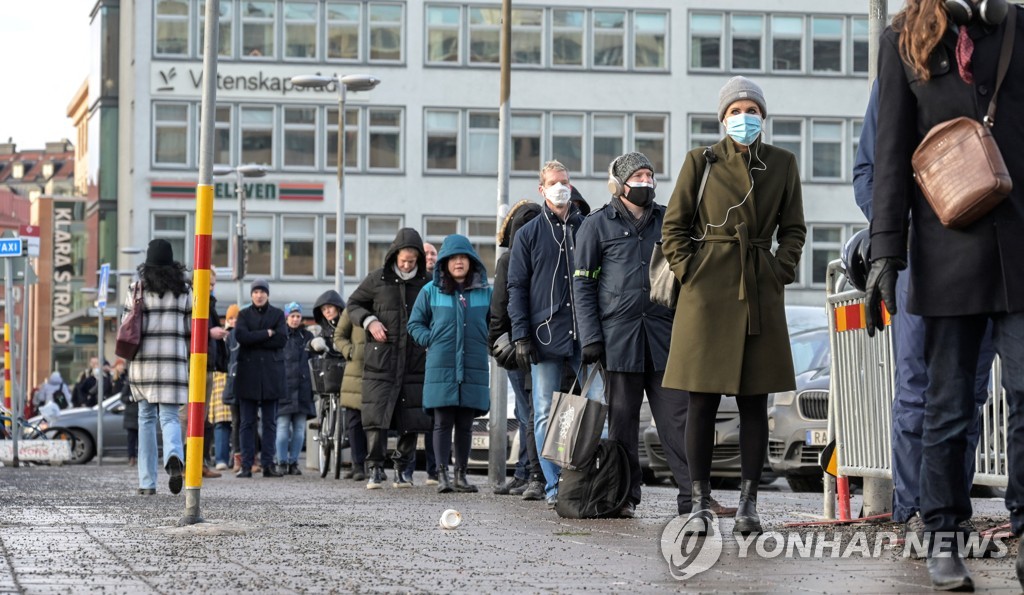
{"x":952,"y":348}
{"x":171,"y":429}
{"x":267,"y":411}
{"x":222,"y":442}
{"x":547,"y":378}
{"x":291,"y":433}
{"x":909,"y":404}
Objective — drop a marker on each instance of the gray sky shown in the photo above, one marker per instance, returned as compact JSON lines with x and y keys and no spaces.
{"x":45,"y":45}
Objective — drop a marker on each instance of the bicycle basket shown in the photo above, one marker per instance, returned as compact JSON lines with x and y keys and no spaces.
{"x":326,"y":374}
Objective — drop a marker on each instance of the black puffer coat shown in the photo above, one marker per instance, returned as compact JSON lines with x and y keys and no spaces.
{"x":298,"y":396}
{"x":392,"y":370}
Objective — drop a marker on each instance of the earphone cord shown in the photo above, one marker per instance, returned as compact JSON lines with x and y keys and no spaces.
{"x":551,"y":292}
{"x":750,"y":172}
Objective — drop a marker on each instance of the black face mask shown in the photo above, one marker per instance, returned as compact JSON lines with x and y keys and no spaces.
{"x":641,"y":196}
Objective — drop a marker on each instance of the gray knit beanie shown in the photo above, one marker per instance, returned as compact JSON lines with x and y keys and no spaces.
{"x":626,"y":165}
{"x":259,"y":283}
{"x":740,"y":87}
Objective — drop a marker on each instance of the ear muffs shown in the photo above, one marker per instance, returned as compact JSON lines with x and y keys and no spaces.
{"x":618,"y":187}
{"x":991,"y":12}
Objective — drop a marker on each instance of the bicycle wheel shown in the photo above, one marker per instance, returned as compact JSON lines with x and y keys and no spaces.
{"x":339,"y":435}
{"x":325,"y":435}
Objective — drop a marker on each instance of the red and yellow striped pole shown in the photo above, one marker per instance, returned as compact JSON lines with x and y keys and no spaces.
{"x":7,"y":377}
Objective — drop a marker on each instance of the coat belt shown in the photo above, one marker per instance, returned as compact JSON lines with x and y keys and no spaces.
{"x":748,"y":278}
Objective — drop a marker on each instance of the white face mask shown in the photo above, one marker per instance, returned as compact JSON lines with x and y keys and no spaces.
{"x":558,"y":194}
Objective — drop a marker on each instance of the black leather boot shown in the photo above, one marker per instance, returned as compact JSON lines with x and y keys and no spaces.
{"x":747,"y":521}
{"x":462,"y":484}
{"x":700,"y":505}
{"x":444,"y":483}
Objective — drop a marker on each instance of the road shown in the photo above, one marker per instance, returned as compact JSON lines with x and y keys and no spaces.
{"x":83,"y":529}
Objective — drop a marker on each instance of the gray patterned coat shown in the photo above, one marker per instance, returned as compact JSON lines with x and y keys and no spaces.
{"x":159,"y":372}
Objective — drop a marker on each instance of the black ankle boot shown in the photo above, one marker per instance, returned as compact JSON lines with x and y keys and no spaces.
{"x":461,"y":483}
{"x":747,"y":521}
{"x":700,"y":498}
{"x":444,"y":483}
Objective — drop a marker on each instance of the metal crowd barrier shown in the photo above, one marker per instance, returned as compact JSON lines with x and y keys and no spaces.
{"x":861,"y":394}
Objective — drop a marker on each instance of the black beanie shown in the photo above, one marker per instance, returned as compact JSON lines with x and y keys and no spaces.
{"x":159,"y":253}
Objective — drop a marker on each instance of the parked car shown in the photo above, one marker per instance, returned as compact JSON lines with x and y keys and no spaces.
{"x":797,"y":423}
{"x":725,"y":458}
{"x":479,"y":454}
{"x":81,"y":421}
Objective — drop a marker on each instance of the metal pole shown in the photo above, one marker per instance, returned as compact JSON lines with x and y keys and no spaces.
{"x":98,"y":372}
{"x":339,"y":218}
{"x":8,"y":312}
{"x":498,"y":440}
{"x":201,"y":277}
{"x":23,"y":364}
{"x":239,"y":234}
{"x":878,"y":16}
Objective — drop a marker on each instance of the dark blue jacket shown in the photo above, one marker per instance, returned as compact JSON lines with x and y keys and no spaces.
{"x":864,"y":166}
{"x":540,"y":284}
{"x":612,"y":285}
{"x":452,"y":325}
{"x":298,"y":395}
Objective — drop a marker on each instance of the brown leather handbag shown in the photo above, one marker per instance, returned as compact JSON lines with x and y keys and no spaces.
{"x":958,"y":164}
{"x":129,"y":334}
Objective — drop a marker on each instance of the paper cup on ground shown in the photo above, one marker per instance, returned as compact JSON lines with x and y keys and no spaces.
{"x":451,"y":519}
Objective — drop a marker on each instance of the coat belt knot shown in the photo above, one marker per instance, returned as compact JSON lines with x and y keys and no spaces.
{"x":748,"y":278}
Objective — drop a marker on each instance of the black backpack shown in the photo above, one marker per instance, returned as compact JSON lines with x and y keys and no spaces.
{"x":598,"y":490}
{"x":60,"y":398}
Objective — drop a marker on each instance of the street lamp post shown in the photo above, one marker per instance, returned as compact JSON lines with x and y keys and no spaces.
{"x":354,"y":82}
{"x":241,"y":172}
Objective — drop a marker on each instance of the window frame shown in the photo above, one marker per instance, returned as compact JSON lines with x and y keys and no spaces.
{"x":313,"y":128}
{"x":706,"y":139}
{"x":318,"y":23}
{"x":841,"y":143}
{"x":275,"y":33}
{"x":626,"y":55}
{"x":760,"y":38}
{"x":286,"y":237}
{"x":274,"y":139}
{"x":460,"y":122}
{"x":552,"y":30}
{"x":721,"y":41}
{"x":369,"y":59}
{"x":842,"y":44}
{"x":461,"y":36}
{"x":854,"y":40}
{"x":187,"y":19}
{"x":666,"y":50}
{"x":801,"y":43}
{"x":814,"y":246}
{"x":368,"y":130}
{"x":328,"y":23}
{"x":187,"y":124}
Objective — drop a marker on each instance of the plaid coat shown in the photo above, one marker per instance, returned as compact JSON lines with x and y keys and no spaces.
{"x":159,"y":372}
{"x":216,"y":411}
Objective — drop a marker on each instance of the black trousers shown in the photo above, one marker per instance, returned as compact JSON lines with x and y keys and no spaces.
{"x":377,"y":445}
{"x":267,"y":412}
{"x":445,"y":419}
{"x":624,"y":392}
{"x":356,"y":437}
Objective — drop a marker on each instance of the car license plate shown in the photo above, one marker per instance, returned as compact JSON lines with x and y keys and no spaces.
{"x":817,"y":438}
{"x":481,"y":442}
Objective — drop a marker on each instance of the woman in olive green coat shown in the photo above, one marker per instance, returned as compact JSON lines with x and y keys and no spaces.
{"x":350,"y":341}
{"x":729,"y":334}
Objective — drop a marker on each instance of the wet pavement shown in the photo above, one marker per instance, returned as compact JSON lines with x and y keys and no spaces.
{"x":75,"y":529}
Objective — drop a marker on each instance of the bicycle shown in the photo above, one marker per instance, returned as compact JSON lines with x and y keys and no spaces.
{"x":33,"y":431}
{"x":326,"y":374}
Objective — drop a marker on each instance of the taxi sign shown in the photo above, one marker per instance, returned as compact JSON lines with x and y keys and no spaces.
{"x":10,"y":247}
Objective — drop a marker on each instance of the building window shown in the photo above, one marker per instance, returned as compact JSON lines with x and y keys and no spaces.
{"x":649,"y":133}
{"x":609,"y":132}
{"x":259,"y":234}
{"x":609,"y":38}
{"x":442,"y":140}
{"x":300,"y":30}
{"x":526,"y":43}
{"x":650,"y":33}
{"x":567,"y":37}
{"x":351,"y":242}
{"x":299,"y":137}
{"x":826,"y":243}
{"x":787,"y":43}
{"x":386,"y":23}
{"x":170,"y":134}
{"x":484,"y":35}
{"x":706,"y":41}
{"x":747,"y":32}
{"x":480,"y":232}
{"x":351,"y":138}
{"x":482,"y":148}
{"x":567,"y":141}
{"x":443,"y":34}
{"x":224,"y":41}
{"x":298,"y":235}
{"x":788,"y":135}
{"x":385,"y":142}
{"x":827,"y":37}
{"x":258,"y":29}
{"x":174,"y":229}
{"x":704,"y":131}
{"x":380,"y":232}
{"x":220,"y":248}
{"x":826,"y":149}
{"x":172,"y":22}
{"x":257,"y":132}
{"x":526,"y":133}
{"x":343,"y":31}
{"x":856,"y":127}
{"x":222,"y":136}
{"x":859,"y":35}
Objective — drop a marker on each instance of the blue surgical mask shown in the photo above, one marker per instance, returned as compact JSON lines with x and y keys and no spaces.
{"x":743,"y":128}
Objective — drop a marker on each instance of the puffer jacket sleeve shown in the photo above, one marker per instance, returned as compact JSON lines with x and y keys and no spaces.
{"x":422,"y":316}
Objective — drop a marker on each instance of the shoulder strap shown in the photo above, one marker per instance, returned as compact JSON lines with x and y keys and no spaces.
{"x":1004,"y":63}
{"x":708,"y":153}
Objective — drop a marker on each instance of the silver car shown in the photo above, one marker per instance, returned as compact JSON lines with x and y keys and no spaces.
{"x":81,"y":421}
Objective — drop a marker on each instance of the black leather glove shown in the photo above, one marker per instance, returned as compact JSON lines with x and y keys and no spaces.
{"x":526,"y":354}
{"x":593,"y":353}
{"x":881,"y":288}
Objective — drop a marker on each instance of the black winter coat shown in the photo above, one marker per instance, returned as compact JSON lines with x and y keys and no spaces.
{"x":216,"y":356}
{"x":978,"y":269}
{"x":298,"y":396}
{"x":261,"y":373}
{"x":392,"y":370}
{"x":232,"y":346}
{"x":612,"y":288}
{"x":520,"y":214}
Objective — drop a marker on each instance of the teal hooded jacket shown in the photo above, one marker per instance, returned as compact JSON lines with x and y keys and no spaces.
{"x":451,"y":323}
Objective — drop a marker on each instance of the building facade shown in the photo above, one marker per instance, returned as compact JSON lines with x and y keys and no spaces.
{"x":589,"y":81}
